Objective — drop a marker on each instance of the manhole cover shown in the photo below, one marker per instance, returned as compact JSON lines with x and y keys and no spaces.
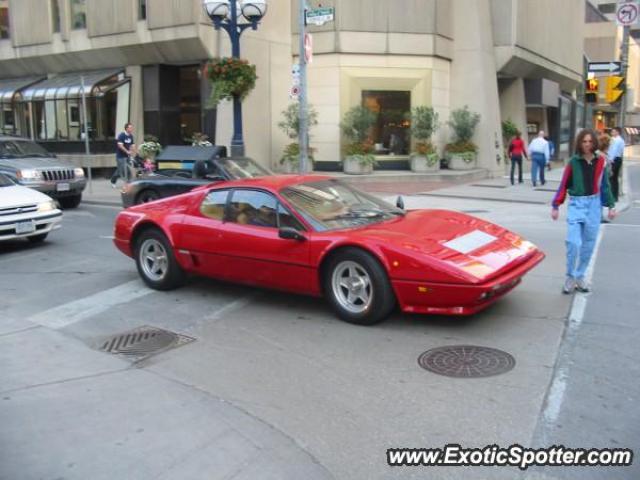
{"x":466,"y":361}
{"x":143,"y":342}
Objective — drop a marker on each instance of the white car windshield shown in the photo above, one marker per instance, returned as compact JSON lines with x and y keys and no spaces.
{"x":331,"y":204}
{"x":5,"y":181}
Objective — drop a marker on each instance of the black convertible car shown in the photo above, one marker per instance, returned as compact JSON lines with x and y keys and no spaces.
{"x":167,"y":182}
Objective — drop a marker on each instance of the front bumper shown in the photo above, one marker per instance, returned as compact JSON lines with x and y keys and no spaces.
{"x":459,"y":299}
{"x":58,"y":188}
{"x":14,"y":226}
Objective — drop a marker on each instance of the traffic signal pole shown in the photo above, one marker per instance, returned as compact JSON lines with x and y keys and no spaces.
{"x":624,"y":60}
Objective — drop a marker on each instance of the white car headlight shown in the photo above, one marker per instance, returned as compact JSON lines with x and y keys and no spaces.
{"x":79,"y":172}
{"x":46,"y":206}
{"x":30,"y":175}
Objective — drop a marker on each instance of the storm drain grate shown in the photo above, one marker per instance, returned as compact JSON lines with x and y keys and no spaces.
{"x":475,"y":211}
{"x":142,"y":342}
{"x":466,"y":361}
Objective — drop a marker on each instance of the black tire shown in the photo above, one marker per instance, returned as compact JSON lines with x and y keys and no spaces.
{"x":146,"y":195}
{"x":381,"y":299}
{"x":38,"y":238}
{"x":71,"y":202}
{"x":172,"y":275}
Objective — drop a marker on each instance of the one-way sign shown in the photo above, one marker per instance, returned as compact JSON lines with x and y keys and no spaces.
{"x":608,"y":67}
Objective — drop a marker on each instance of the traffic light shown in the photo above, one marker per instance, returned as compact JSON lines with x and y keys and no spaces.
{"x":614,"y":88}
{"x":591,"y":90}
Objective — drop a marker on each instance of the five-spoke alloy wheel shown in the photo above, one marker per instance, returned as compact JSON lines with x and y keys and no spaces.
{"x":156,"y":263}
{"x":358,"y":287}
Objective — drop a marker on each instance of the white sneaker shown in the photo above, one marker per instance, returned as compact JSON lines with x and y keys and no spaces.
{"x":114,"y":185}
{"x":569,"y":286}
{"x":582,"y":286}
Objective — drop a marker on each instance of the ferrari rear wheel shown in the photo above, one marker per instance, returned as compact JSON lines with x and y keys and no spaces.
{"x":358,"y":287}
{"x":156,"y":263}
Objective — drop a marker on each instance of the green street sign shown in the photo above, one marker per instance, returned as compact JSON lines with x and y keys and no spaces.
{"x":319,"y":16}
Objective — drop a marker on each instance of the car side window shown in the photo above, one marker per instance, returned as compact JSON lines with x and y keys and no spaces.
{"x":286,"y":219}
{"x":213,"y":204}
{"x":252,"y":207}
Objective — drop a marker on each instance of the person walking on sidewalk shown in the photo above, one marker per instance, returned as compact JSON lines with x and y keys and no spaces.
{"x":125,"y":147}
{"x":539,"y":154}
{"x":517,"y":149}
{"x":586,"y":180}
{"x":616,"y":152}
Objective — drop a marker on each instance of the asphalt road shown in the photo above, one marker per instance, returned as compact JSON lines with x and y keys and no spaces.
{"x":273,"y":383}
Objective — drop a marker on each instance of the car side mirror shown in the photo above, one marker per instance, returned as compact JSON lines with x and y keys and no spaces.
{"x":289,"y":233}
{"x":400,"y":203}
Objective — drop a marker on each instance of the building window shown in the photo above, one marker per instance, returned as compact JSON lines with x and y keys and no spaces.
{"x":607,"y":8}
{"x":4,"y":19}
{"x":142,"y":9}
{"x":55,"y":16}
{"x":390,"y":134}
{"x":78,"y":14}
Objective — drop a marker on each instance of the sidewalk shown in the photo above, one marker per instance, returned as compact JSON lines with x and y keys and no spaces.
{"x":467,"y":184}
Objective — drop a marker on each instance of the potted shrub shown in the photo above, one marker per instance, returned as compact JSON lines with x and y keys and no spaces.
{"x":230,"y":77}
{"x":290,"y":160}
{"x":199,"y":139}
{"x":424,"y":122}
{"x":461,"y":154}
{"x":148,"y":150}
{"x":355,"y":127}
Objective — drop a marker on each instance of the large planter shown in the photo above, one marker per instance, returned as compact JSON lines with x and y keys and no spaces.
{"x":354,"y":165}
{"x":462,"y":161}
{"x":425,"y":163}
{"x":292,"y":166}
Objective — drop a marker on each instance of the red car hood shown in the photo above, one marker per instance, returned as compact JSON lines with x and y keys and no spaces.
{"x":478,"y":249}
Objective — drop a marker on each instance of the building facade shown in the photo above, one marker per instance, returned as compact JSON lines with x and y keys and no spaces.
{"x":603,"y":41}
{"x":141,"y":60}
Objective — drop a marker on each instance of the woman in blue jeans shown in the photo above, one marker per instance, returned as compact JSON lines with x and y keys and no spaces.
{"x":586,"y":179}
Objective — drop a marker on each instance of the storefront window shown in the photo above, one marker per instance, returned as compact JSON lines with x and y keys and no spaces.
{"x":78,"y":14}
{"x":4,"y":19}
{"x":7,"y":119}
{"x":566,"y":113}
{"x":142,"y":9}
{"x":390,"y":134}
{"x":55,"y":16}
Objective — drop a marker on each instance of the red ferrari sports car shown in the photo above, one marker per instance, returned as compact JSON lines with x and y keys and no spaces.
{"x":316,"y":235}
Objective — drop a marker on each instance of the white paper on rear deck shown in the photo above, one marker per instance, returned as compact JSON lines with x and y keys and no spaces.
{"x":470,"y":242}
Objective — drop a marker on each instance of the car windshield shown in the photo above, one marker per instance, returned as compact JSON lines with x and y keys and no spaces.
{"x":242,"y":167}
{"x":331,"y":205}
{"x":5,"y":181}
{"x":21,"y":149}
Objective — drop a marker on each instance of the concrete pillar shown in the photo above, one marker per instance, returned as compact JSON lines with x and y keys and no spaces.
{"x":473,"y":77}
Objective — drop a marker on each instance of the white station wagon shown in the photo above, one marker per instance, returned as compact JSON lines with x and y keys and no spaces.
{"x":25,"y":212}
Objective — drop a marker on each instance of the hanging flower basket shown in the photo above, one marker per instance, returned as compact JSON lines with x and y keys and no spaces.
{"x":229,"y":77}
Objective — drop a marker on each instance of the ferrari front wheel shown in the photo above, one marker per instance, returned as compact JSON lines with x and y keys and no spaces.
{"x":156,"y":263}
{"x":358,"y":287}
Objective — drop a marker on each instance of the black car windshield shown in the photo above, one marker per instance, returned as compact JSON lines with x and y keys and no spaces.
{"x":5,"y":181}
{"x":242,"y":167}
{"x":331,"y":205}
{"x":21,"y":149}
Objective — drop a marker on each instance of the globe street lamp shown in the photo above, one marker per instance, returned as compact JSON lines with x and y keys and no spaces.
{"x":225,"y":14}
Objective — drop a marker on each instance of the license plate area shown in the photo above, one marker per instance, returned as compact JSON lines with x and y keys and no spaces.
{"x":25,"y":227}
{"x":63,"y":187}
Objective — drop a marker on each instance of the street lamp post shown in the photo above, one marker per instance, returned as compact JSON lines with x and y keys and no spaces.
{"x":225,"y":14}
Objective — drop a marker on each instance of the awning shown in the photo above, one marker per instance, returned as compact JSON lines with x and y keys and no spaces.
{"x":10,"y":86}
{"x":68,"y":85}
